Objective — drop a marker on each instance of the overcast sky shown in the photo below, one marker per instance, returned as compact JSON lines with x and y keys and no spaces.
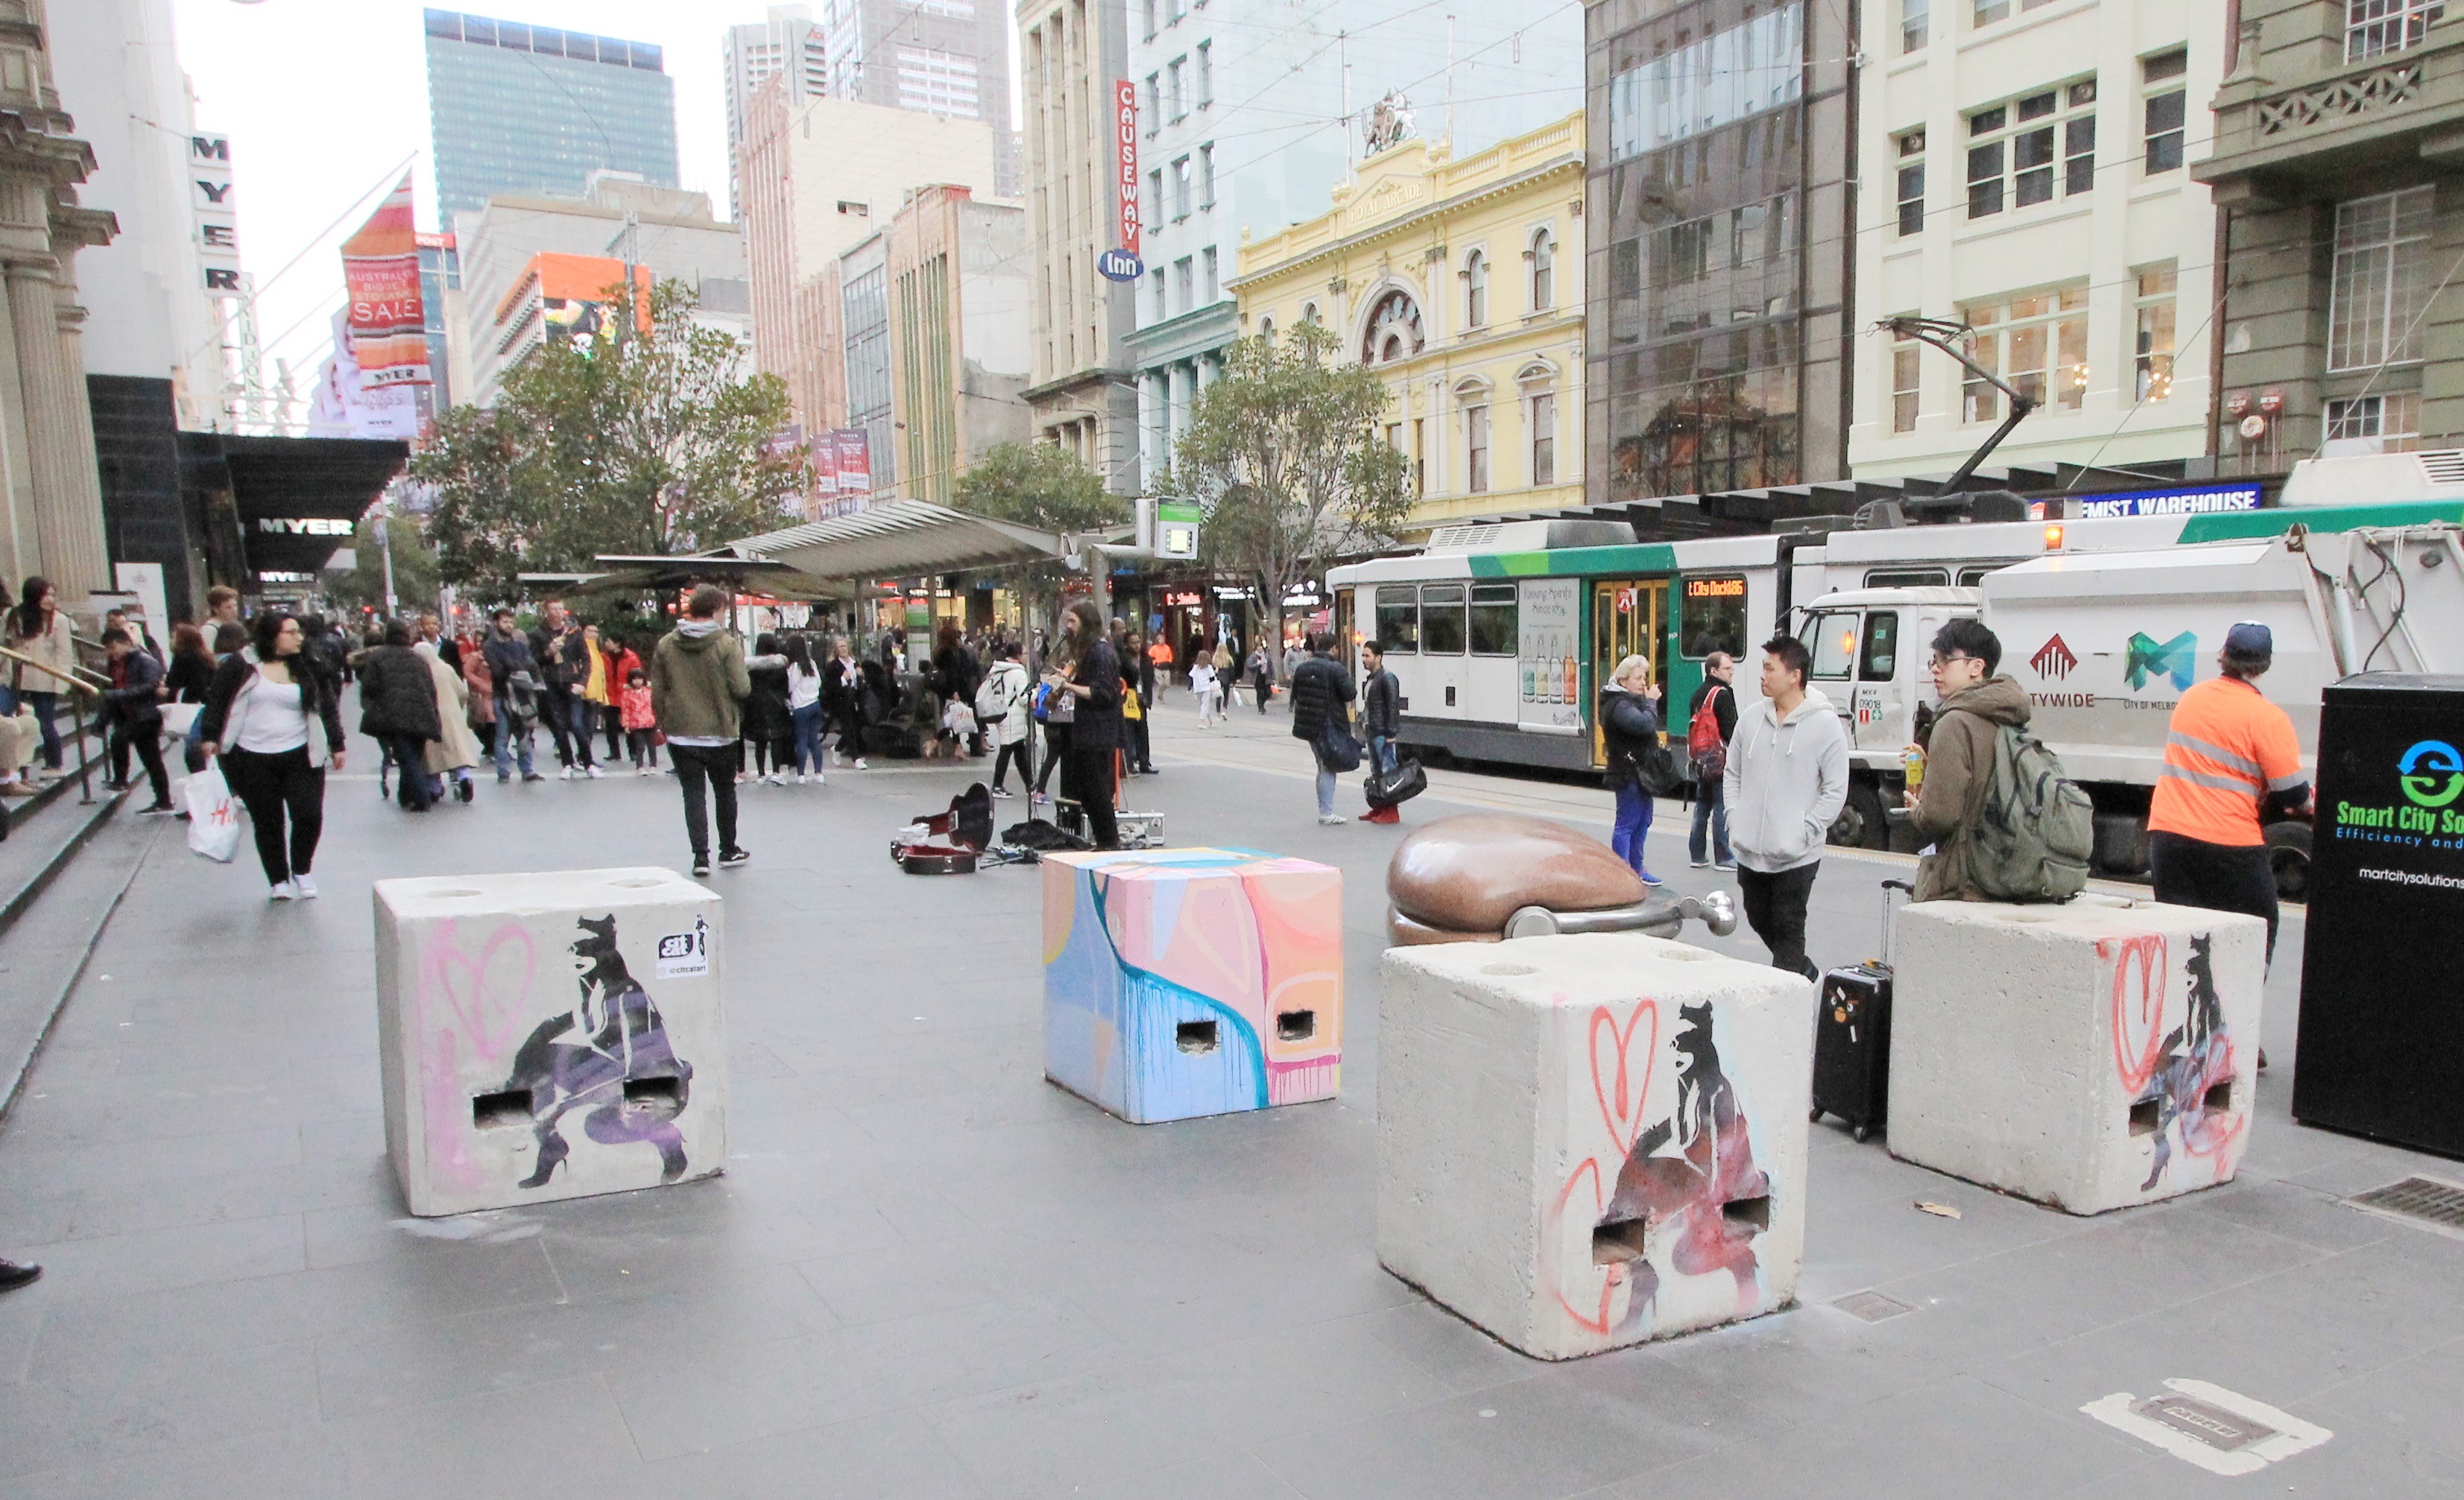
{"x":320,"y":97}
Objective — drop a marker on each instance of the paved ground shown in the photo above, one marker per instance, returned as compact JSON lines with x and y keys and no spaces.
{"x":928,"y":1273}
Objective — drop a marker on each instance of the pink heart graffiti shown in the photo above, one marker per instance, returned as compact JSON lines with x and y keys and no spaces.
{"x":2138,"y":1009}
{"x":1622,"y":1117}
{"x":1616,"y":1071}
{"x":485,"y":1010}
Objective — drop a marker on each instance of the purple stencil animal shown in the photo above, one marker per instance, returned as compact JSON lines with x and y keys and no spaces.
{"x":587,"y":1058}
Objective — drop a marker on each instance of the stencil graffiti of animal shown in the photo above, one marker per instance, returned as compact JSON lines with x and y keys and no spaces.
{"x":2197,"y":1056}
{"x":585,"y":1059}
{"x":1688,"y":1193}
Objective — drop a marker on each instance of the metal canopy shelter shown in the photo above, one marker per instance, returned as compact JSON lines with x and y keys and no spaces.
{"x":660,"y":574}
{"x":901,"y":539}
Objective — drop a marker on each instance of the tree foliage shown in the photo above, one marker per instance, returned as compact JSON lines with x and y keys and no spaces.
{"x":627,"y":441}
{"x":414,"y":568}
{"x":1044,"y":486}
{"x":1285,"y":454}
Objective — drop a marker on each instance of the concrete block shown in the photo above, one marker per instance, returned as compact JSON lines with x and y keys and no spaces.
{"x":1187,"y":982}
{"x":1587,"y":1141}
{"x":549,"y":1035}
{"x":2091,"y":1055}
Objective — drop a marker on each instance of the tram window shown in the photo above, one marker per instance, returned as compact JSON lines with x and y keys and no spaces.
{"x":1492,"y":620}
{"x":1398,"y":617}
{"x":1714,"y":618}
{"x":1971,"y":578}
{"x":1907,"y":579}
{"x":1831,"y":638}
{"x":1441,"y":619}
{"x":1881,"y":654}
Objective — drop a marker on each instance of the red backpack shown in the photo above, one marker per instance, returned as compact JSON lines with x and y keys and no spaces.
{"x":1703,"y":736}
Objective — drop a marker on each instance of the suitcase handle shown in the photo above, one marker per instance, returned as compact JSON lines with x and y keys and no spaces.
{"x":1888,"y":886}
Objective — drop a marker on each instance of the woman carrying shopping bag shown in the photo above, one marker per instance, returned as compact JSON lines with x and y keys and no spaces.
{"x":276,"y":727}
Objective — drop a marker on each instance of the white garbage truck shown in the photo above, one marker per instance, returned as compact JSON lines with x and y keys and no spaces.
{"x":2105,"y":642}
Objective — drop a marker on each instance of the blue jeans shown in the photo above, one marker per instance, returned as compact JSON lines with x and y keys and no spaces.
{"x":1324,"y":787}
{"x":1633,"y":821}
{"x":506,"y":741}
{"x":1711,"y":811}
{"x":809,"y":737}
{"x":1381,"y":754}
{"x":44,"y":705}
{"x":586,"y":718}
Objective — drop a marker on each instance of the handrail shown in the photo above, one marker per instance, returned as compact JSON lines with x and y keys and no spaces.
{"x":98,"y":682}
{"x":79,"y":692}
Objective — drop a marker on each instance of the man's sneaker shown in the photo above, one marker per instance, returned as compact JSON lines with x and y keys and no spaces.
{"x":1041,"y":799}
{"x":1729,"y":865}
{"x":533,"y":775}
{"x":1003,"y":792}
{"x":732,"y":858}
{"x":701,"y":864}
{"x":566,"y":774}
{"x":1651,"y":879}
{"x":283,"y":890}
{"x":820,"y":780}
{"x":594,"y":772}
{"x":1329,"y":820}
{"x":305,"y":885}
{"x":156,"y":810}
{"x":776,"y":779}
{"x":1700,"y":864}
{"x":466,"y":788}
{"x":503,"y":780}
{"x":17,"y":1274}
{"x":860,"y":764}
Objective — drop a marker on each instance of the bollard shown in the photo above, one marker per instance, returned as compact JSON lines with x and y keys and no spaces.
{"x":549,"y":1035}
{"x":1188,"y":981}
{"x":2091,"y":1055}
{"x":1587,"y":1141}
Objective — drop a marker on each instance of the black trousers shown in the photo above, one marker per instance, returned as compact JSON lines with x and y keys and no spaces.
{"x":611,"y":719}
{"x":556,"y":712}
{"x":1265,"y":688}
{"x":1776,"y":910}
{"x":1144,"y":761}
{"x":644,"y":746}
{"x":1088,"y":779}
{"x":272,"y":787}
{"x":1023,"y":752}
{"x":707,"y":773}
{"x":1056,"y":750}
{"x":409,"y":752}
{"x":147,"y":739}
{"x":2190,"y":872}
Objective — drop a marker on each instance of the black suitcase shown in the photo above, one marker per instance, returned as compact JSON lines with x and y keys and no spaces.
{"x":1407,"y":782}
{"x":1851,"y":1036}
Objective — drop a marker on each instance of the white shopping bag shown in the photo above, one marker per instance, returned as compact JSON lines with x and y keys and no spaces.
{"x":213,"y":814}
{"x":177,"y":717}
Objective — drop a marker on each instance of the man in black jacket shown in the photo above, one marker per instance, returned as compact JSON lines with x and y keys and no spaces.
{"x":1322,"y":697}
{"x":398,"y":710}
{"x":556,"y":680}
{"x":1712,"y":762}
{"x":134,"y":703}
{"x":508,"y":653}
{"x":1381,"y":718}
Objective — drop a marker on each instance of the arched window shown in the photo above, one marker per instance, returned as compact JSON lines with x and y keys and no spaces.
{"x":1472,"y":397}
{"x":1266,"y":329}
{"x":1543,"y":256}
{"x":1540,"y":420}
{"x":1308,"y":311}
{"x":1393,"y":331}
{"x":1475,"y":275}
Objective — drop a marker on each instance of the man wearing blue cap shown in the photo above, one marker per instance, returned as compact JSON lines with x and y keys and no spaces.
{"x":2231,"y":763}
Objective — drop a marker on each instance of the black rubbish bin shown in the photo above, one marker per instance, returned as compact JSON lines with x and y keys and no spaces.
{"x":2381,"y":1038}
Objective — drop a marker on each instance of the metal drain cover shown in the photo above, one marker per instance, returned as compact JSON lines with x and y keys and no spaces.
{"x":1871,"y":1306}
{"x":2424,"y":1201}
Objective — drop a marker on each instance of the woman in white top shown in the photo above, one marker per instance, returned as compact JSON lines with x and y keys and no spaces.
{"x":804,"y":708}
{"x":272,"y":719}
{"x":1209,"y":690}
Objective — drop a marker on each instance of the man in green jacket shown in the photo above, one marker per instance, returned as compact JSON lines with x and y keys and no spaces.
{"x":698,"y":683}
{"x":1977,"y":700}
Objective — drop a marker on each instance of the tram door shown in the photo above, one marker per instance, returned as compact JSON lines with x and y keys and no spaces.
{"x":1629,"y":618}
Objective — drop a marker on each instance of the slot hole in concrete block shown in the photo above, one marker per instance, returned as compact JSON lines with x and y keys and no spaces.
{"x":2218,"y":1099}
{"x":1747,"y":1212}
{"x":1508,"y":970}
{"x":637,"y":883}
{"x":456,"y":891}
{"x":2145,"y":1117}
{"x":502,"y":1110}
{"x":1295,"y":1026}
{"x":658,"y":1096}
{"x":1194,"y":1036}
{"x":1620,"y":1241}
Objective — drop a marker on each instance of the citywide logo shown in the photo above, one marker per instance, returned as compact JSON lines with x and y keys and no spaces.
{"x":2055,"y":659}
{"x":2431,"y":775}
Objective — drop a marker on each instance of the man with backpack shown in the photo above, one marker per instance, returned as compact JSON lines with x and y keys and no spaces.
{"x":1976,"y":702}
{"x":1322,"y":698}
{"x":1710,"y":724}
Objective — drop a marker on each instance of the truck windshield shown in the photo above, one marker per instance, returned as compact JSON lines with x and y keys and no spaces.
{"x":1831,"y":639}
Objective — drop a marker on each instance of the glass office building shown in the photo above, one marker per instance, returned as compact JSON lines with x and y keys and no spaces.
{"x":530,"y":109}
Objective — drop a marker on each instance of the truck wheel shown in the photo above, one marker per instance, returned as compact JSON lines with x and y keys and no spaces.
{"x":1861,"y":823}
{"x":2288,"y":855}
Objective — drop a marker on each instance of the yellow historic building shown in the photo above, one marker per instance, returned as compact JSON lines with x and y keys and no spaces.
{"x":1462,"y":281}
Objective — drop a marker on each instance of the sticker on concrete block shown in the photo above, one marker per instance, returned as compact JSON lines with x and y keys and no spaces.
{"x":686,"y":955}
{"x":2222,"y":1431}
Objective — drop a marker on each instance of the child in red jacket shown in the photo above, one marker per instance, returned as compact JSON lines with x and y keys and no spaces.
{"x":641,"y":728}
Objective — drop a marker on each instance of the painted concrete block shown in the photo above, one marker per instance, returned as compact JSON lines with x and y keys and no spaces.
{"x":1587,"y":1141}
{"x":1187,"y":982}
{"x":2091,"y":1055}
{"x":549,"y":1035}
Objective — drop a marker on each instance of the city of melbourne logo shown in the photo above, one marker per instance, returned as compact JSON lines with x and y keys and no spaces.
{"x":2146,"y":659}
{"x":2431,"y":773}
{"x":2055,"y":659}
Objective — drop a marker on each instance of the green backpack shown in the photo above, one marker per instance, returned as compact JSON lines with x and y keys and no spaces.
{"x":2035,"y":828}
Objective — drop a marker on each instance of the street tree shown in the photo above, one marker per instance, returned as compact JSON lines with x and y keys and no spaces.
{"x":1044,"y":486}
{"x":414,"y":567}
{"x":646,"y":435}
{"x":1285,"y":454}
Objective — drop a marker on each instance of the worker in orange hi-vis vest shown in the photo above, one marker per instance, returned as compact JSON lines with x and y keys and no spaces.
{"x":2231,"y":763}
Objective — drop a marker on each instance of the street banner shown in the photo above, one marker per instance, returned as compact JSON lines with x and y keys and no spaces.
{"x":853,"y":452}
{"x":380,"y":272}
{"x":1124,"y":151}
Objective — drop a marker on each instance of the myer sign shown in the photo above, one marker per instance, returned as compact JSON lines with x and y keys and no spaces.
{"x":302,"y":526}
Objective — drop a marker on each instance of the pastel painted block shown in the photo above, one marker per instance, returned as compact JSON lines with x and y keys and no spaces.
{"x":1187,"y":982}
{"x":1587,"y":1141}
{"x":549,"y":1035}
{"x":2091,"y":1055}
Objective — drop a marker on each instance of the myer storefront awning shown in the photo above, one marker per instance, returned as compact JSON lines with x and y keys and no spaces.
{"x":903,"y":538}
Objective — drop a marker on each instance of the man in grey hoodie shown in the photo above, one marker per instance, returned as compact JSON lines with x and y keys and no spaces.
{"x":1785,"y":780}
